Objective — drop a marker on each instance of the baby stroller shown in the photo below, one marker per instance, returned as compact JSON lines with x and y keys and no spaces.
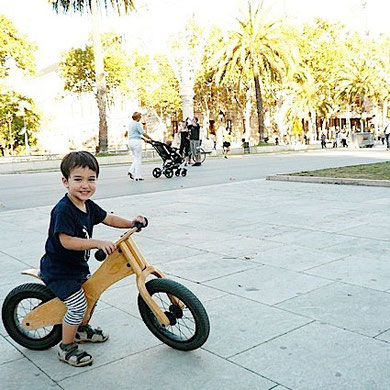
{"x":172,"y":160}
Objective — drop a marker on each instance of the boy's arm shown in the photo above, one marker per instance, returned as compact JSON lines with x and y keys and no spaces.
{"x":82,"y":244}
{"x":119,"y":222}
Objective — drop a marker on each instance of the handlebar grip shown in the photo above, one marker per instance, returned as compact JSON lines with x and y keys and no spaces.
{"x":100,"y":255}
{"x":140,"y":226}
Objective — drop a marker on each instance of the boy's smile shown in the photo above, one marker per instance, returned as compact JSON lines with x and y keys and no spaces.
{"x":81,"y":185}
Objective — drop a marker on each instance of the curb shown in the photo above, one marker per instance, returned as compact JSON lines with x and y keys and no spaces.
{"x":329,"y":180}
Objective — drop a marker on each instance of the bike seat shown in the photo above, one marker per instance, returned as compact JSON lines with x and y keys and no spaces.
{"x":32,"y":272}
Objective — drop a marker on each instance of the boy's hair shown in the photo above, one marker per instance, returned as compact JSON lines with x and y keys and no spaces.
{"x":78,"y":159}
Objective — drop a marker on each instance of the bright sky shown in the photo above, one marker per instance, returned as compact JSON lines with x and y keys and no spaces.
{"x":156,"y":20}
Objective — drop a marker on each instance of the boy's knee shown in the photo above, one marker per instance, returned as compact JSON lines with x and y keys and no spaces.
{"x":77,"y":307}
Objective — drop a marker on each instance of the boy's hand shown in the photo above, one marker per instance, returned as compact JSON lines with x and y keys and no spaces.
{"x":138,"y":218}
{"x":106,"y":246}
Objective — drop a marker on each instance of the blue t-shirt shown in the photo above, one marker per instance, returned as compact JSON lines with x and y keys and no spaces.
{"x":64,"y":270}
{"x":135,"y":130}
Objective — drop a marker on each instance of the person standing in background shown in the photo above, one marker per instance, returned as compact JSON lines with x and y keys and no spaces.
{"x":195,"y":141}
{"x":136,"y":134}
{"x":184,"y":139}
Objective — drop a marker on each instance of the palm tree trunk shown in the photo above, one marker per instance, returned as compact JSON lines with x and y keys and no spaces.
{"x":101,"y":93}
{"x":259,"y":104}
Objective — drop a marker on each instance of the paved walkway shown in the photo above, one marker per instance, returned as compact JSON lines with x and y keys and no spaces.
{"x":295,"y":278}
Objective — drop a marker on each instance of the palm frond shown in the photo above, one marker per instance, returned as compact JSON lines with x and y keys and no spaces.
{"x":84,"y":6}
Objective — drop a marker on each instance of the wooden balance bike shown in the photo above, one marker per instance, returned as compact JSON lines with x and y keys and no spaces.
{"x":33,"y":317}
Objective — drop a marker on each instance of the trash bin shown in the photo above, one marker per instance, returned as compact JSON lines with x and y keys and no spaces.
{"x":362,"y":140}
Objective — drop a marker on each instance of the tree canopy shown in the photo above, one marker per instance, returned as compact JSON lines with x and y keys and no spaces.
{"x":15,"y":46}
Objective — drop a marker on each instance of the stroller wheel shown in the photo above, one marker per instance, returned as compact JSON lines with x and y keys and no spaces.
{"x":184,"y":172}
{"x":156,"y":172}
{"x":177,"y":173}
{"x":168,"y":173}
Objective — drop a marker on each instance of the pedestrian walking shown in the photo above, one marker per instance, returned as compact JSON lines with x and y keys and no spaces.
{"x":336,"y":138}
{"x":323,"y":141}
{"x":343,"y":138}
{"x":227,"y":141}
{"x":195,"y":141}
{"x":136,"y":134}
{"x":386,"y":131}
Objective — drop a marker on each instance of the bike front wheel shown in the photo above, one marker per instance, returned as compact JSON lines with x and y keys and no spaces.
{"x":17,"y":304}
{"x":202,"y":155}
{"x":189,"y":324}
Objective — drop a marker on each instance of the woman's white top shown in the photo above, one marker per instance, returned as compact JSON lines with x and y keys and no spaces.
{"x":135,"y":130}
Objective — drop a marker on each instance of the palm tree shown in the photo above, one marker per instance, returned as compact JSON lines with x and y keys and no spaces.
{"x":256,"y":48}
{"x":92,"y":7}
{"x":304,"y":101}
{"x":357,"y":83}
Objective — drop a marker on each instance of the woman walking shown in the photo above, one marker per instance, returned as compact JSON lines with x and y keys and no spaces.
{"x":136,"y":133}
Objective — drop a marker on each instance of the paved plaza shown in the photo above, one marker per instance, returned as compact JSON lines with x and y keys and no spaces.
{"x":295,"y":278}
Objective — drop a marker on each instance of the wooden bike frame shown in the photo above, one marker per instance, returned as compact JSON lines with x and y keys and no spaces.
{"x":124,"y":261}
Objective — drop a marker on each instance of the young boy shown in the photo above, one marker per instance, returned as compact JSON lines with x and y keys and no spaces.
{"x":64,"y":266}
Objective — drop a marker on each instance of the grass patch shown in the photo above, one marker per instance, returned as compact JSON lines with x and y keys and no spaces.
{"x":376,"y":171}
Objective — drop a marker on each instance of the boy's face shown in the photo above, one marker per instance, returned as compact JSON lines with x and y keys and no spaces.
{"x":81,"y":184}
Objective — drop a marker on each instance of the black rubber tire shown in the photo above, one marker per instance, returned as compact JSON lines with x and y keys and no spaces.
{"x":10,"y":321}
{"x":192,"y":304}
{"x":156,"y":172}
{"x":203,"y":155}
{"x":184,"y":172}
{"x":168,"y":173}
{"x":177,"y":173}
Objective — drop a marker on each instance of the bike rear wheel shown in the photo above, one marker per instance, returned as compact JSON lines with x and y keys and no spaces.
{"x":189,"y":324}
{"x":17,"y":304}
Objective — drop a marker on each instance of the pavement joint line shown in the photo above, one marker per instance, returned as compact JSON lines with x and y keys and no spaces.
{"x":95,"y":367}
{"x":239,"y":365}
{"x":232,"y":273}
{"x":381,"y":334}
{"x":15,"y":258}
{"x":273,"y":338}
{"x":27,"y":358}
{"x":307,"y":292}
{"x":328,"y":262}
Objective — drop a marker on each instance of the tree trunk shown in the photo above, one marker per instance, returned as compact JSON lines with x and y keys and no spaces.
{"x":259,"y":104}
{"x":248,"y":109}
{"x":101,"y":94}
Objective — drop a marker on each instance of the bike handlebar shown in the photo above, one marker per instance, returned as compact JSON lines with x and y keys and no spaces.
{"x":100,"y":255}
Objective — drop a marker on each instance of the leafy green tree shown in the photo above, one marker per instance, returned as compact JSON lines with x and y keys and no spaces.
{"x":92,"y":6}
{"x":18,"y":114}
{"x":257,"y":47}
{"x":155,"y":84}
{"x":15,"y":46}
{"x":78,"y":68}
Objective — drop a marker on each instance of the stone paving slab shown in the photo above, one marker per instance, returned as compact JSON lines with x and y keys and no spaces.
{"x":357,"y":309}
{"x":164,"y":368}
{"x":318,"y":356}
{"x":296,"y":292}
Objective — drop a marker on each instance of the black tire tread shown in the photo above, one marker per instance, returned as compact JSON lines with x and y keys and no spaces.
{"x":185,"y":295}
{"x":24,"y":291}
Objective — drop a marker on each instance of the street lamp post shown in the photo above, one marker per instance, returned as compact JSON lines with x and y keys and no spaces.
{"x":23,"y":106}
{"x":9,"y":118}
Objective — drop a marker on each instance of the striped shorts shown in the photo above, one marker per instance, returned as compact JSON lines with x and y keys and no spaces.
{"x":77,"y":306}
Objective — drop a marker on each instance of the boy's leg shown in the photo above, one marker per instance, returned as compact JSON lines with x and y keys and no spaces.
{"x":68,"y":351}
{"x":85,"y":333}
